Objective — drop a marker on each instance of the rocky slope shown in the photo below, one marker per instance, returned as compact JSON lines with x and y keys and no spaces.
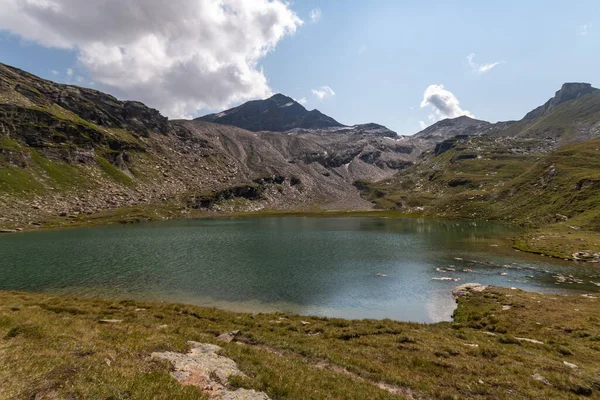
{"x":540,"y":172}
{"x":68,"y":151}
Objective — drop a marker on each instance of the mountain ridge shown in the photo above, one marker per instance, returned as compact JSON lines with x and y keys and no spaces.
{"x":68,"y":152}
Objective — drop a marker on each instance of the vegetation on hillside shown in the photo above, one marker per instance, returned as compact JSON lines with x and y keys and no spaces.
{"x":482,"y":178}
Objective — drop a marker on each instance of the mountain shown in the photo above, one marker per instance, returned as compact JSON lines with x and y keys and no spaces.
{"x":73,"y":155}
{"x":539,"y":172}
{"x":447,"y":128}
{"x":281,"y":113}
{"x":69,"y":153}
{"x":278,"y":113}
{"x":571,"y":116}
{"x":568,"y":91}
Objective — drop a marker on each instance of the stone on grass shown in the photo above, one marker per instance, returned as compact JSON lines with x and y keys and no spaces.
{"x":227,"y":336}
{"x":522,"y":339}
{"x":210,"y":372}
{"x":540,"y":378}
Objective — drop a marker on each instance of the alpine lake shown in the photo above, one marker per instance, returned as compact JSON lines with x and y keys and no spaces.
{"x":355,"y":268}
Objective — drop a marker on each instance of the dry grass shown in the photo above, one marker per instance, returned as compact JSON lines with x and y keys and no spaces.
{"x":54,"y":347}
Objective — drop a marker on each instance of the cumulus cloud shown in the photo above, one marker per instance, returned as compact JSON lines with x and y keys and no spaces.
{"x":444,"y":103}
{"x":323,"y":92}
{"x":422,"y":124}
{"x":178,"y":58}
{"x":69,"y":72}
{"x":54,"y":72}
{"x":302,"y":100}
{"x":315,"y":15}
{"x":481,"y":68}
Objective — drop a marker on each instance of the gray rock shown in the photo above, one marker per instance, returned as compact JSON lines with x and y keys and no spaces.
{"x":466,"y":289}
{"x":520,"y":339}
{"x":210,"y":372}
{"x":227,"y":336}
{"x":540,"y":378}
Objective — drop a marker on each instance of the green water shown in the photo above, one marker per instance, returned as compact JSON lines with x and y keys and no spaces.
{"x":302,"y":265}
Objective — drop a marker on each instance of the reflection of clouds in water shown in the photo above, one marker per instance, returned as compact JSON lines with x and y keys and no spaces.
{"x":440,"y":305}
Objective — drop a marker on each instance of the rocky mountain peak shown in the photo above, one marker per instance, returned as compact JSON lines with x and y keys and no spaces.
{"x":283,"y":100}
{"x":278,"y":113}
{"x":568,"y":91}
{"x":572,"y":90}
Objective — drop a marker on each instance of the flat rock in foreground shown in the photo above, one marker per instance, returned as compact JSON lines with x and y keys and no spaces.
{"x":204,"y":368}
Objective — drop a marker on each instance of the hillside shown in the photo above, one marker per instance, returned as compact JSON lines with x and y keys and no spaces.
{"x":448,"y":128}
{"x":68,"y":152}
{"x":540,"y":172}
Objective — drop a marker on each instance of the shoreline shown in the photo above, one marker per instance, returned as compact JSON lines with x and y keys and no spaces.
{"x":559,"y":242}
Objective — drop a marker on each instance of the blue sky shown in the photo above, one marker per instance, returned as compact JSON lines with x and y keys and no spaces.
{"x":378,"y":57}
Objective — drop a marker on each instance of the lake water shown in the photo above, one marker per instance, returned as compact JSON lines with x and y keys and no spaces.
{"x":316,"y":266}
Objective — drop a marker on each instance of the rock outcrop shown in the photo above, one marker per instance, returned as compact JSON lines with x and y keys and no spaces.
{"x":466,"y":289}
{"x":204,"y":368}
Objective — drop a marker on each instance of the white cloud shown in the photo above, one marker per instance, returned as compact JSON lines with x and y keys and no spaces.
{"x":585,"y":29}
{"x":302,"y":101}
{"x":79,"y":79}
{"x":69,"y":72}
{"x":54,"y":72}
{"x":197,"y":54}
{"x":315,"y":15}
{"x":323,"y":91}
{"x":422,"y":124}
{"x":481,"y":68}
{"x":444,"y":103}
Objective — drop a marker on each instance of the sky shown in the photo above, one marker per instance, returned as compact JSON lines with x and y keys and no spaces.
{"x":404,"y":64}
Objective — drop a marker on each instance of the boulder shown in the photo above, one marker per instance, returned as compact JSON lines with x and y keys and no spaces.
{"x":466,"y":289}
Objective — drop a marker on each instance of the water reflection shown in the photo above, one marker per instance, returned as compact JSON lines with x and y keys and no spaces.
{"x":303,"y":265}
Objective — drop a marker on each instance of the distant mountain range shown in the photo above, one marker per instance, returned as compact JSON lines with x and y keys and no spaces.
{"x":67,"y":151}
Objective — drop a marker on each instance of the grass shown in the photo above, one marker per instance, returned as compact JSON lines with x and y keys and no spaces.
{"x":55,"y":348}
{"x":113,"y":172}
{"x":18,"y":181}
{"x":554,"y":195}
{"x":122,"y":215}
{"x":9,"y":144}
{"x":60,"y":173}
